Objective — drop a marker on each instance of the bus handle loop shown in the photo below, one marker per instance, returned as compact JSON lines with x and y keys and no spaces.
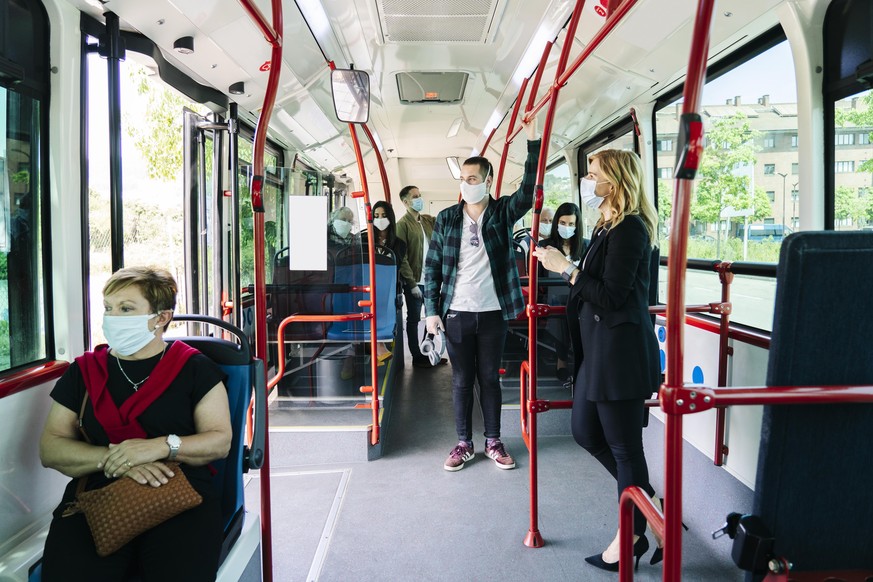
{"x":690,"y":148}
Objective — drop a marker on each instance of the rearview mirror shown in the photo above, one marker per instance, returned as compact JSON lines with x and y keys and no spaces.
{"x":351,"y":95}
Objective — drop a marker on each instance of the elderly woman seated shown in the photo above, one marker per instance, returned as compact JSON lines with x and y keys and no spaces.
{"x":123,"y":411}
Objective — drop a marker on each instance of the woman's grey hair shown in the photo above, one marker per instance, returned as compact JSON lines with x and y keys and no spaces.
{"x":342,"y":213}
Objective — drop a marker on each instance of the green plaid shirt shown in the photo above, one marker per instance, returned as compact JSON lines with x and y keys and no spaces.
{"x":441,"y":264}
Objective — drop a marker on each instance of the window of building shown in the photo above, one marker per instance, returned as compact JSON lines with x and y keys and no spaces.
{"x":24,"y":322}
{"x":665,"y":173}
{"x":795,"y":168}
{"x":771,"y":195}
{"x":770,"y":141}
{"x":769,"y":169}
{"x":845,"y":139}
{"x":794,"y":140}
{"x":863,"y":138}
{"x":845,"y":167}
{"x":665,"y":145}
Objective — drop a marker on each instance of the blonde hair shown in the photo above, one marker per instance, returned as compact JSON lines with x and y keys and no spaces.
{"x":624,"y":172}
{"x":157,"y":285}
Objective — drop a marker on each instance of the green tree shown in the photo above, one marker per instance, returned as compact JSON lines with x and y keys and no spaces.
{"x":849,"y":206}
{"x":665,"y":203}
{"x":157,"y":135}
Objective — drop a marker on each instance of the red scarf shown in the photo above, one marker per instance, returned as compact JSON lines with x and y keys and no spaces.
{"x":121,"y":424}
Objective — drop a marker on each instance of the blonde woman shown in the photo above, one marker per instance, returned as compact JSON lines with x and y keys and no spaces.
{"x":617,"y":366}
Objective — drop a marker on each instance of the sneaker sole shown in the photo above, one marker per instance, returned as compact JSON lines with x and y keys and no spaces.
{"x":499,"y":466}
{"x":459,"y":467}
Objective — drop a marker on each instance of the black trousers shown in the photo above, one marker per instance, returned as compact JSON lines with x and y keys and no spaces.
{"x":475,"y":343}
{"x":184,"y":548}
{"x":612,"y":431}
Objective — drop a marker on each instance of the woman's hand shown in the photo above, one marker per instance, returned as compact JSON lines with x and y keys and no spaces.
{"x":552,"y":259}
{"x":122,"y":457}
{"x":154,"y":474}
{"x":531,"y":127}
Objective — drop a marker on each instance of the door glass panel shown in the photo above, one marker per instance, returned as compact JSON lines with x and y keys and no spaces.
{"x":853,"y":162}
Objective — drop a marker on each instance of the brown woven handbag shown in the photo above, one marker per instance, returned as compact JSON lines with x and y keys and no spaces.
{"x":124,"y":509}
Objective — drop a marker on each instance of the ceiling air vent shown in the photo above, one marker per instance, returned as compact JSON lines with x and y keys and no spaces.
{"x":431,"y":87}
{"x":444,"y":22}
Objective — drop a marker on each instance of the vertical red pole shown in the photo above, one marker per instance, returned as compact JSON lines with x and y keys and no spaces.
{"x":726,"y":277}
{"x":533,"y":538}
{"x":502,"y":164}
{"x":273,"y":35}
{"x":695,"y":77}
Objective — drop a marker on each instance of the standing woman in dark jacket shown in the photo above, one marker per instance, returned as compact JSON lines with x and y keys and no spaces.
{"x":613,"y":337}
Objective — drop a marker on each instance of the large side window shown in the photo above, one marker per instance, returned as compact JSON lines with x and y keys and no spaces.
{"x":849,"y":109}
{"x":745,"y":197}
{"x":746,"y":194}
{"x":23,"y":98}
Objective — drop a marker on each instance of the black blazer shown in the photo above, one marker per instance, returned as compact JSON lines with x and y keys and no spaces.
{"x":613,"y":337}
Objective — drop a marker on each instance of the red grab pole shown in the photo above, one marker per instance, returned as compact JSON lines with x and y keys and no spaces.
{"x":273,"y":34}
{"x":381,"y":162}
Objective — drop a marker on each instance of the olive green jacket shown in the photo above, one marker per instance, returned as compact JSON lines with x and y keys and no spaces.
{"x":409,"y":231}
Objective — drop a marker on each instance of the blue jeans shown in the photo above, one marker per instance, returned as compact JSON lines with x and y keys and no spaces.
{"x":413,"y":316}
{"x":475,"y":343}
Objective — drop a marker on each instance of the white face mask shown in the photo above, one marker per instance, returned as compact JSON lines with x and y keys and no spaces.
{"x":473,"y":193}
{"x":566,"y":232}
{"x":545,"y":230}
{"x":342,"y":228}
{"x":586,"y":191}
{"x":128,"y":334}
{"x":417,"y":204}
{"x":381,"y":223}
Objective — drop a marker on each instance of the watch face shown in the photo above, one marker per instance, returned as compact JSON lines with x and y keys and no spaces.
{"x":174,"y":441}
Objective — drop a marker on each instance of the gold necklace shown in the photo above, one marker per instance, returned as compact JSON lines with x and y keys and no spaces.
{"x":136,"y":385}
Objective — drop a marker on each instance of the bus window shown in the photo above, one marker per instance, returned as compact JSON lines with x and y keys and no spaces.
{"x":24,"y":338}
{"x":557,"y":189}
{"x":749,"y":174}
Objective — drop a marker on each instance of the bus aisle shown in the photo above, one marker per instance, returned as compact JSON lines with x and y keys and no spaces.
{"x":404,"y":517}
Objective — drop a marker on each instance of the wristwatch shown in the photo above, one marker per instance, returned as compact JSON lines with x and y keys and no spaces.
{"x":568,"y":272}
{"x":174,"y":442}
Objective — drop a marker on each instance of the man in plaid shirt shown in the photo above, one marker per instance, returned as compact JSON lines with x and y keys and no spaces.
{"x":472,"y":290}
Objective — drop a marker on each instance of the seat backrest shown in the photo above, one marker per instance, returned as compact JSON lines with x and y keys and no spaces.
{"x":299,"y":292}
{"x":814,"y":471}
{"x":352,"y":269}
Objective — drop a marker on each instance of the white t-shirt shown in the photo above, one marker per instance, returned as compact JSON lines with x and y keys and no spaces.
{"x":474,"y":285}
{"x":425,"y":246}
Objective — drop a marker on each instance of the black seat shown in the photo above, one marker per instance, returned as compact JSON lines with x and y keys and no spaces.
{"x":814,"y":471}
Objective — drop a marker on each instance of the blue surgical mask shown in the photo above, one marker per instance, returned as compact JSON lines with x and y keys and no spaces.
{"x":342,"y":228}
{"x":545,"y":229}
{"x":417,"y":204}
{"x":566,"y":232}
{"x":128,"y":334}
{"x":586,"y":191}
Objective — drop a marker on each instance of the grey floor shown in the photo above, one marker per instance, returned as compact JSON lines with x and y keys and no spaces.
{"x":403,"y":517}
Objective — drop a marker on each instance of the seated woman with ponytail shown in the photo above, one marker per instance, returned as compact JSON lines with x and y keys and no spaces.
{"x":121,"y":412}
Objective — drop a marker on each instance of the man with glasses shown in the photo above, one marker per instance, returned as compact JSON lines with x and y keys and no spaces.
{"x":471,"y":292}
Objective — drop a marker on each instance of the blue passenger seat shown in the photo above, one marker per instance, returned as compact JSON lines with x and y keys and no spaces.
{"x":814,"y":471}
{"x":353,"y":269}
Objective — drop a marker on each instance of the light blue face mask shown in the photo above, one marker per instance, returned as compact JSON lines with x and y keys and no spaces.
{"x":566,"y":232}
{"x":417,"y":204}
{"x":545,"y":229}
{"x":342,"y":228}
{"x":128,"y":334}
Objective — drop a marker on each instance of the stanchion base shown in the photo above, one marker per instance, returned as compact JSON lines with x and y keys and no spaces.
{"x":533,"y":539}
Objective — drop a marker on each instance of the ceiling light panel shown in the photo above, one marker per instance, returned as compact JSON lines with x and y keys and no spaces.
{"x":428,"y":22}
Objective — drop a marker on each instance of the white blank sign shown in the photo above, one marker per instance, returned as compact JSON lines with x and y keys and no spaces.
{"x":307,"y":233}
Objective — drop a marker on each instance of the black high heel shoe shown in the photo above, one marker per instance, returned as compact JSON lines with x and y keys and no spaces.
{"x":641,"y":546}
{"x":658,"y":554}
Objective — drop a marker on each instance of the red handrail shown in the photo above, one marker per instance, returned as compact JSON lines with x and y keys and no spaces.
{"x":385,"y":186}
{"x":273,"y":34}
{"x":502,"y":164}
{"x":33,"y":376}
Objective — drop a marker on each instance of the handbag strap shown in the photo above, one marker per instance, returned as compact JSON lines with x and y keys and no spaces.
{"x":80,"y":487}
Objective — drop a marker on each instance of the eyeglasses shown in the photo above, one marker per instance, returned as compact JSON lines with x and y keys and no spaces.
{"x":474,"y":231}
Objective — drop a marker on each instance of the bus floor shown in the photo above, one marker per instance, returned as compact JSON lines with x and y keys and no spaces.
{"x":403,"y":517}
